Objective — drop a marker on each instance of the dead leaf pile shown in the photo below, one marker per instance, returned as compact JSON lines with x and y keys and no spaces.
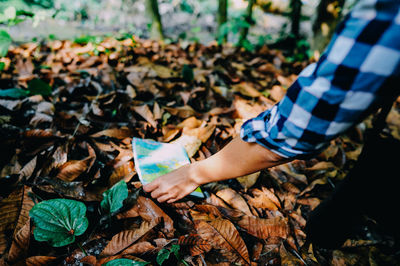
{"x":67,"y":126}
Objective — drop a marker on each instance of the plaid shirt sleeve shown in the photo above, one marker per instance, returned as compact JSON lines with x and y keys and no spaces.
{"x":349,"y":81}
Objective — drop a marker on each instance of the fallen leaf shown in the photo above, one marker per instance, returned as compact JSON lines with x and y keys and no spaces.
{"x":222,"y":234}
{"x":195,"y":244}
{"x":235,"y":200}
{"x":126,"y":238}
{"x":265,"y":228}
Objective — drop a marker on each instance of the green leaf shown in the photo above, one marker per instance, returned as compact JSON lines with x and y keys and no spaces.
{"x":59,"y":221}
{"x":37,"y":86}
{"x":125,"y":262}
{"x":187,"y":73}
{"x":2,"y":66}
{"x":5,"y":42}
{"x":114,"y":197}
{"x":162,"y":255}
{"x":175,"y":249}
{"x":14,"y":93}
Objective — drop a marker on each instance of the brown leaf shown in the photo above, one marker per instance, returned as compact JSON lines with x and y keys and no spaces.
{"x":248,"y":181}
{"x":265,"y":228}
{"x":20,"y":244}
{"x":145,"y":112}
{"x":246,"y":89}
{"x":14,"y":212}
{"x":126,"y":238}
{"x":312,"y":202}
{"x":150,"y":212}
{"x":288,"y":169}
{"x":277,"y":92}
{"x":195,"y":244}
{"x":70,"y":170}
{"x":222,"y":234}
{"x":190,"y":143}
{"x":245,"y":110}
{"x":39,"y":260}
{"x":288,"y":258}
{"x":182,"y":111}
{"x":118,"y":133}
{"x":139,"y":248}
{"x":28,"y":169}
{"x":191,"y":122}
{"x":126,"y":171}
{"x":234,"y":200}
{"x":323,"y":165}
{"x":202,"y":133}
{"x":262,"y":200}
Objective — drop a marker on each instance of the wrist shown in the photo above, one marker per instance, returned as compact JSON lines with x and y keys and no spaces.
{"x":196,"y":174}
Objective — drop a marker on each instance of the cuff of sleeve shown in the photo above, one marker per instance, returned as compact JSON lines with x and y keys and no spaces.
{"x":260,"y":130}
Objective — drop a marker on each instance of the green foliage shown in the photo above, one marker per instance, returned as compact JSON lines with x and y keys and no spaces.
{"x":187,"y":73}
{"x":5,"y":42}
{"x":59,"y":221}
{"x":186,"y":7}
{"x":114,"y":197}
{"x":125,"y":262}
{"x":85,"y":39}
{"x":37,"y":86}
{"x":11,"y":16}
{"x":14,"y":93}
{"x":164,"y":254}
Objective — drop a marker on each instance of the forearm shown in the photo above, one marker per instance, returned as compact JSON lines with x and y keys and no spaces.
{"x":238,"y":158}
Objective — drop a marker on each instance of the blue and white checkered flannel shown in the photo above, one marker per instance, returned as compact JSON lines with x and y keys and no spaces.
{"x":341,"y":89}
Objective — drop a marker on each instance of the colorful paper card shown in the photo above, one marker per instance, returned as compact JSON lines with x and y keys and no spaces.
{"x":154,"y":159}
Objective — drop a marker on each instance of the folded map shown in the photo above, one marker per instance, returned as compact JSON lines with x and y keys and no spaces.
{"x":154,"y":159}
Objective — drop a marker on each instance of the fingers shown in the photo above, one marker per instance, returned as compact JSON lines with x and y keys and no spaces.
{"x":151,"y":186}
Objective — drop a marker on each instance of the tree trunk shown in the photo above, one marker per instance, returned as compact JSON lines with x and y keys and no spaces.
{"x":295,"y":6}
{"x":156,"y":31}
{"x":248,"y":18}
{"x":328,"y":15}
{"x":222,"y":17}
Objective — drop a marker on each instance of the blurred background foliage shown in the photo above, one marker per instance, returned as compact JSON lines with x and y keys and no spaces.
{"x":299,"y":26}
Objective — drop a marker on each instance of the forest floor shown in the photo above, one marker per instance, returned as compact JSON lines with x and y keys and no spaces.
{"x":68,"y":113}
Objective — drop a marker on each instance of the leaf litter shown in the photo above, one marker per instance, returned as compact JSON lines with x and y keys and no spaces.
{"x":68,"y":113}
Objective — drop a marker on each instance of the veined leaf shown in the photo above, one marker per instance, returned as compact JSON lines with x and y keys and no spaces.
{"x":14,"y":93}
{"x":114,"y":197}
{"x":222,"y":234}
{"x":59,"y":221}
{"x":126,"y":238}
{"x":37,"y":86}
{"x":264,"y":228}
{"x":5,"y":42}
{"x":14,"y":214}
{"x":125,"y":262}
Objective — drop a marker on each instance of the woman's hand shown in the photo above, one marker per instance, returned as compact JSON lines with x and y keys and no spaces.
{"x":174,"y":185}
{"x":237,"y":158}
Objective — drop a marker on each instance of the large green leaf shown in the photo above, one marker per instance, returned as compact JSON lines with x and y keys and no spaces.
{"x":14,"y":93}
{"x":125,"y":262}
{"x":114,"y":197}
{"x":5,"y":42}
{"x":59,"y":221}
{"x":37,"y":86}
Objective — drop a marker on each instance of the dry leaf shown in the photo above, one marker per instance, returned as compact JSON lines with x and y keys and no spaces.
{"x":126,"y":238}
{"x":265,"y":228}
{"x":235,"y":200}
{"x":195,"y":244}
{"x":222,"y":234}
{"x":145,"y":112}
